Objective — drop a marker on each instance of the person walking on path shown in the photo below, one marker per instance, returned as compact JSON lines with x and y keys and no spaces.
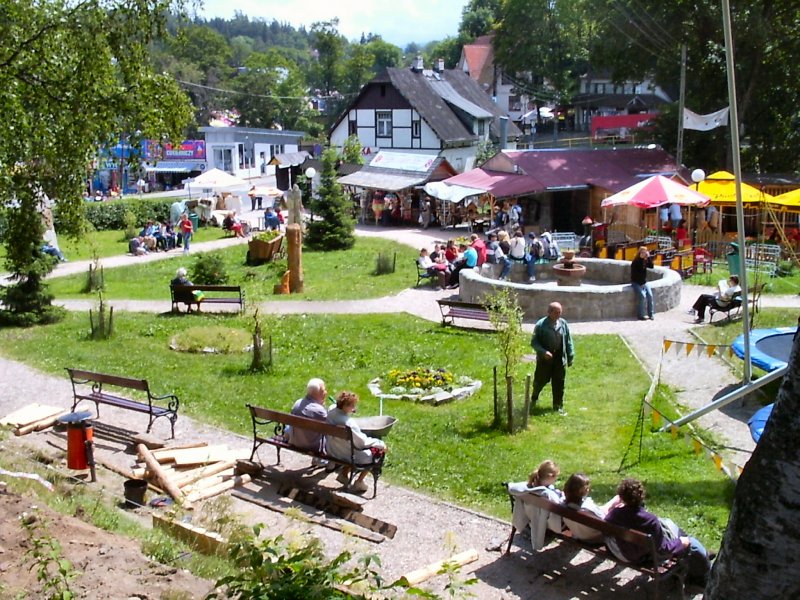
{"x":186,"y":232}
{"x":644,"y":294}
{"x":554,"y":353}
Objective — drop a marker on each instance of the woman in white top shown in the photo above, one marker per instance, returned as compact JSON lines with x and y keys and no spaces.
{"x":365,"y":446}
{"x":576,"y":495}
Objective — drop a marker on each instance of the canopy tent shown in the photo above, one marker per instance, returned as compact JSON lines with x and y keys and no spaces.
{"x":382,"y":181}
{"x":450,"y":193}
{"x":263,"y":190}
{"x":656,"y":191}
{"x":215,"y":179}
{"x":788,"y":201}
{"x":721,"y":188}
{"x":497,"y":183}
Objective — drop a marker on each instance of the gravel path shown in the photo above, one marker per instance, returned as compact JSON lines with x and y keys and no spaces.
{"x":427,"y":527}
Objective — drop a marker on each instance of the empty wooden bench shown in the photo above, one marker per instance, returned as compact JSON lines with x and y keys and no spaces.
{"x":269,"y":427}
{"x":212,"y":294}
{"x":455,"y":309}
{"x":87,"y":385}
{"x":657,"y":568}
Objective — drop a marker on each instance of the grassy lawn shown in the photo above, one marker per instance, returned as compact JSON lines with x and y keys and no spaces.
{"x":775,"y":285}
{"x":450,"y":451}
{"x":340,"y":275}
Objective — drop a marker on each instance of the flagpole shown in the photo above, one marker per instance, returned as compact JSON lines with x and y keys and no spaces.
{"x":737,"y":172}
{"x":681,"y":106}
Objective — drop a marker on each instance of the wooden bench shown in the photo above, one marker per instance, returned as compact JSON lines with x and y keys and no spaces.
{"x":97,"y":394}
{"x":264,"y":418}
{"x":654,"y":566}
{"x":455,"y":309}
{"x":422,"y":274}
{"x":185,"y":294}
{"x":734,"y":307}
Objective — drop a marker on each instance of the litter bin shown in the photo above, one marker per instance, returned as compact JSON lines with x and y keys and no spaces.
{"x":734,"y":260}
{"x":79,"y":439}
{"x":195,"y":219}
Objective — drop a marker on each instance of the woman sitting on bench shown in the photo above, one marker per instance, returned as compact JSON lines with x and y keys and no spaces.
{"x":670,"y":540}
{"x":366,"y":447}
{"x":542,"y":483}
{"x":576,"y":496}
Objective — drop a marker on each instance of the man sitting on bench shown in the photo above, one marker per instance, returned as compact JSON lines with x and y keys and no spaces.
{"x":188,"y":298}
{"x":311,"y":406}
{"x":721,"y":299}
{"x":670,"y":540}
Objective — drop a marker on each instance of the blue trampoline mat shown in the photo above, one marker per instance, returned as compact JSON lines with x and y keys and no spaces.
{"x":758,"y":421}
{"x":769,"y":348}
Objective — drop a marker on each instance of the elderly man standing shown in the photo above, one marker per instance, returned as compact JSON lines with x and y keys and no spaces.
{"x":311,"y":406}
{"x":554,"y":353}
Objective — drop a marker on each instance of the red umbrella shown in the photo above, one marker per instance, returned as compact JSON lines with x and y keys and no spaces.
{"x":655,"y":191}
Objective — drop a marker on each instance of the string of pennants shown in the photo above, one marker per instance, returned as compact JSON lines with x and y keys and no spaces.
{"x":729,"y":468}
{"x":688,"y":347}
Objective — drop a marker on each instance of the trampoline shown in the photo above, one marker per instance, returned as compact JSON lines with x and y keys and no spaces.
{"x":769,"y":348}
{"x":769,"y":351}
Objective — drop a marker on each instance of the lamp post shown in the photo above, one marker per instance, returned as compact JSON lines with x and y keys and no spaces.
{"x":698,"y":175}
{"x":310,"y":172}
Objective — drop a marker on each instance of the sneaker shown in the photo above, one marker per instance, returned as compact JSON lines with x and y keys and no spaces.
{"x":561,"y":412}
{"x":531,"y":279}
{"x":359,"y":487}
{"x":318,"y":462}
{"x":643,"y":318}
{"x":651,"y":317}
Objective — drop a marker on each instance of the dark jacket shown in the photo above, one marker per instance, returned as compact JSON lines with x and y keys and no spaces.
{"x":639,"y":268}
{"x":544,"y":340}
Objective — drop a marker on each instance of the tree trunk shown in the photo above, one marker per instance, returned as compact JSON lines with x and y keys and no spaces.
{"x":758,"y":558}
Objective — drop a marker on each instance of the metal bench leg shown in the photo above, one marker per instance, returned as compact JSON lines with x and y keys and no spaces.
{"x":511,"y":539}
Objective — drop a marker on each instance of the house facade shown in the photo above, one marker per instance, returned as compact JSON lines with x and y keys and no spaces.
{"x":246,"y":151}
{"x":423,"y":111}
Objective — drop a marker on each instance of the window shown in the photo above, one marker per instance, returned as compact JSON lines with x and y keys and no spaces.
{"x":514,"y":103}
{"x":416,"y":129}
{"x":599,"y":88}
{"x":223,"y":159}
{"x":383,"y":120}
{"x":352,"y":128}
{"x":481,"y":127}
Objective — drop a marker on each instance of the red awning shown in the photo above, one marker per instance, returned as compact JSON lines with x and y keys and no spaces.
{"x":497,"y":183}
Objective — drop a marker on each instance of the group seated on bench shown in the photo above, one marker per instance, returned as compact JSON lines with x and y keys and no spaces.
{"x":327,"y":442}
{"x":621,"y":530}
{"x":437,"y":271}
{"x":88,"y":385}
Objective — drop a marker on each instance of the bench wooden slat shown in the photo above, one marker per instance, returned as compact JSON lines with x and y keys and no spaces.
{"x":264,"y":417}
{"x":99,"y":395}
{"x":182,"y":294}
{"x":456,"y":309}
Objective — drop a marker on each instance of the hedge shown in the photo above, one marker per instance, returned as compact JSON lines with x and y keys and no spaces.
{"x":111,"y":214}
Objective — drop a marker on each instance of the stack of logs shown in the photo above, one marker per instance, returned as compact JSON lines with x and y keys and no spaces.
{"x":34,"y":417}
{"x":191,"y":473}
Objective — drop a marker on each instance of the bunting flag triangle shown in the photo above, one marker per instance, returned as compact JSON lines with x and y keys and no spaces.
{"x":667,"y":344}
{"x":710,"y":350}
{"x":656,"y":418}
{"x":673,"y":430}
{"x":717,"y":460}
{"x":698,"y":447}
{"x":689,"y":348}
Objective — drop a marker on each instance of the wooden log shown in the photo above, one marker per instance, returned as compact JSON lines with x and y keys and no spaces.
{"x":162,"y":478}
{"x":425,"y":573}
{"x":198,"y":474}
{"x":239,"y":480}
{"x":200,"y":538}
{"x":161,"y":452}
{"x":38,"y":425}
{"x":148,"y":439}
{"x":208,"y":482}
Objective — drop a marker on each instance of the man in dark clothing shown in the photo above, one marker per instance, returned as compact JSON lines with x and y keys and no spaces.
{"x":554,"y":353}
{"x":639,"y":266}
{"x":669,"y":539}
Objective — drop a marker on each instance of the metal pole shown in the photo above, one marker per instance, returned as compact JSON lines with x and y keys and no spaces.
{"x":681,"y":106}
{"x":737,"y":171}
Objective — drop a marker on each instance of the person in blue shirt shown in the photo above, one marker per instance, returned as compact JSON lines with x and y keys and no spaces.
{"x":554,"y":353}
{"x":468,"y":260}
{"x":271,"y":221}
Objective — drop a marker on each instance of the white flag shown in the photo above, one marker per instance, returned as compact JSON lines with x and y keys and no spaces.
{"x":707,"y":122}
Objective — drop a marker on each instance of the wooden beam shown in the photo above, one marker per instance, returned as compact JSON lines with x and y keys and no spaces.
{"x":224,"y":486}
{"x":38,"y":425}
{"x":197,"y":474}
{"x":161,"y":476}
{"x":200,"y":538}
{"x":425,"y":573}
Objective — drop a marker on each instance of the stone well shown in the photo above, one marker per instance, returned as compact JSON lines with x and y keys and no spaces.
{"x":604,"y":294}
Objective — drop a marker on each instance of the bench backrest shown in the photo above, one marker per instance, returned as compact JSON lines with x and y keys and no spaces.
{"x":265,"y":415}
{"x":104,"y":378}
{"x":609,"y":529}
{"x":460,"y":304}
{"x":206,"y":288}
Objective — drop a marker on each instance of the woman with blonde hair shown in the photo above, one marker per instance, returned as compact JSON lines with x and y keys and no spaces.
{"x":541,"y":482}
{"x":545,"y":475}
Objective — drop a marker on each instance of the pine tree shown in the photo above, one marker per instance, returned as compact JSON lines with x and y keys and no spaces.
{"x":335,"y":226}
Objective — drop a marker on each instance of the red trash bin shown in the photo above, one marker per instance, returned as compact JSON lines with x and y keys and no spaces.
{"x":79,"y":440}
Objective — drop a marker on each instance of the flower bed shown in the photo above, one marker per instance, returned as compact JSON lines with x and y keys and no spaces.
{"x":432,"y":386}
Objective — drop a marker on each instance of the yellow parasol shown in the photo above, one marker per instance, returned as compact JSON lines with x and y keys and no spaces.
{"x":721,"y":188}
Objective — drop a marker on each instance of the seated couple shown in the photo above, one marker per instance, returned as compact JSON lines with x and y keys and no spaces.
{"x":439,"y":268}
{"x":626,"y":509}
{"x":726,"y":290}
{"x":312,"y":406}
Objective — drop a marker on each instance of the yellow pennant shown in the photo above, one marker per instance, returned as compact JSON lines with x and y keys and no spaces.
{"x":667,"y":344}
{"x":674,"y":431}
{"x":698,"y":447}
{"x":710,"y":350}
{"x":656,"y":418}
{"x":689,"y":348}
{"x":717,"y":460}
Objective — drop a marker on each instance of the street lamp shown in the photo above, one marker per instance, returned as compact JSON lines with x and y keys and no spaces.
{"x":698,"y":175}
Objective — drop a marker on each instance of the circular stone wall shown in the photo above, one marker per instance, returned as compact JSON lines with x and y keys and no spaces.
{"x":606,"y":292}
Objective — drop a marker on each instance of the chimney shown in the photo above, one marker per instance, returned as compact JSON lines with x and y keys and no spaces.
{"x":417,"y":66}
{"x":439,"y":65}
{"x":503,"y":132}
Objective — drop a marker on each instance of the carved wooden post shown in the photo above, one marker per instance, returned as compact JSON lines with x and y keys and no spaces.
{"x":294,"y":238}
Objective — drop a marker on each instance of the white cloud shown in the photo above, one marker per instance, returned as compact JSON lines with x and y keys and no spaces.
{"x":398,"y":21}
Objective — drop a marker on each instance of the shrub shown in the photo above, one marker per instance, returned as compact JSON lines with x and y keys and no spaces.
{"x":209,"y":269}
{"x":385,"y":264}
{"x":111,"y":214}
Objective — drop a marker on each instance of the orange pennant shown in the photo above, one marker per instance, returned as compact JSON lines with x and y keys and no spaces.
{"x":689,"y":348}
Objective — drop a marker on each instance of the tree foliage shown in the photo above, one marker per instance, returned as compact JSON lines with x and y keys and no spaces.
{"x":73,"y":77}
{"x":335,"y":228}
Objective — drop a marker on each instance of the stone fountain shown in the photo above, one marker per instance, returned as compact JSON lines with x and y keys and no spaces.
{"x":567,"y":271}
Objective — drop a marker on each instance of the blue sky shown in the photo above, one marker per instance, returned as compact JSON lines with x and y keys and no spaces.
{"x":397,"y":21}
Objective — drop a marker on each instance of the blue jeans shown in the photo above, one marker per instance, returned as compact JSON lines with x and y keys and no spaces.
{"x":698,"y":562}
{"x":506,"y":262}
{"x":643,"y":292}
{"x":530,"y":265}
{"x":186,"y":239}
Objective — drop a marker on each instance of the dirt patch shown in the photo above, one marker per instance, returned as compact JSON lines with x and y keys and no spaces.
{"x":109,"y":566}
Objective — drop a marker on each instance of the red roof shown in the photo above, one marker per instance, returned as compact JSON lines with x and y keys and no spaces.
{"x":540,"y":170}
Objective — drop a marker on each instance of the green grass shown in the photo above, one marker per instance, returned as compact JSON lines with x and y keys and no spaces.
{"x":450,"y":451}
{"x":774,"y":285}
{"x":339,"y":275}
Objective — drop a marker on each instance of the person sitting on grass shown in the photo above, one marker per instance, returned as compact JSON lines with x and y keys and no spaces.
{"x":51,"y":250}
{"x":669,"y":539}
{"x":136,"y":246}
{"x":722,"y":299}
{"x":366,"y":448}
{"x":576,"y":496}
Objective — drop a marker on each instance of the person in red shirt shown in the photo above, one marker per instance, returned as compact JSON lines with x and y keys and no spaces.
{"x":681,"y":234}
{"x":186,"y":231}
{"x":480,"y":248}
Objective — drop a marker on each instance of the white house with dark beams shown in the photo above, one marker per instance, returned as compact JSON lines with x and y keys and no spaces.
{"x":417,"y":110}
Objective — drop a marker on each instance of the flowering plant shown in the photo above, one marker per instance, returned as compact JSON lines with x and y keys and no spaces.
{"x":267,"y":236}
{"x":420,"y":378}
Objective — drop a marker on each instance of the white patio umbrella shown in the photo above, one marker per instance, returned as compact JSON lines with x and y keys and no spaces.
{"x":215,"y":179}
